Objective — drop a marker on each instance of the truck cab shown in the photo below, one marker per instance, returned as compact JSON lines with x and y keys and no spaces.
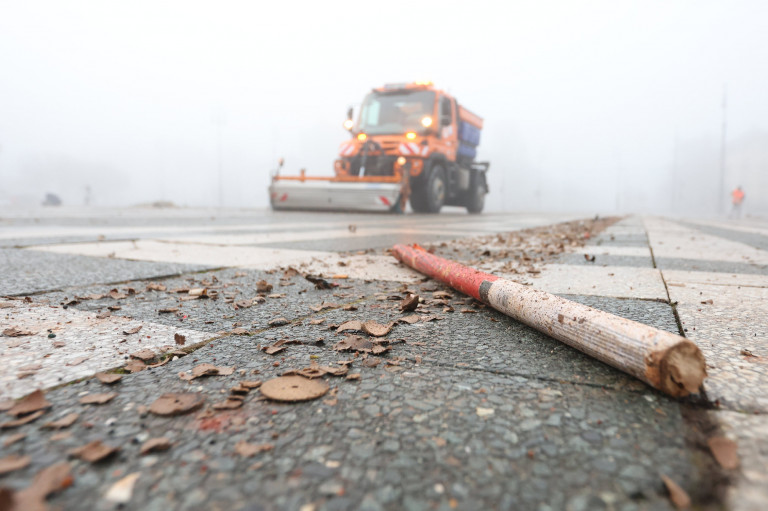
{"x":422,"y":134}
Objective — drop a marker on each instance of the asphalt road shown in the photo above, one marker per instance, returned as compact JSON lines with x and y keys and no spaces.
{"x":469,"y":410}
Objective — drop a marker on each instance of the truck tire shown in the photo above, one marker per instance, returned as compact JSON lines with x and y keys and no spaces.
{"x":435,"y":190}
{"x":476,"y":197}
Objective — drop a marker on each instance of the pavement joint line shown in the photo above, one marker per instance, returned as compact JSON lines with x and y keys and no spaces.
{"x":119,"y":282}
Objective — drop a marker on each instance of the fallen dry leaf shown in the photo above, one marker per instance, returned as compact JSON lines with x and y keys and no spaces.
{"x":316,"y":321}
{"x":263,"y":286}
{"x":228,"y":404}
{"x":62,"y":423}
{"x":144,"y":355}
{"x":410,"y":303}
{"x":250,"y":384}
{"x":97,"y":399}
{"x":176,"y":404}
{"x":677,"y":495}
{"x":131,"y":331}
{"x":30,"y":403}
{"x":725,"y":452}
{"x":319,"y":282}
{"x":206,"y":369}
{"x":168,"y":310}
{"x":376,"y":329}
{"x":12,"y":439}
{"x":154,"y":286}
{"x":155,"y":445}
{"x":350,"y":325}
{"x":13,"y":462}
{"x":49,"y":480}
{"x":484,"y":412}
{"x":180,"y":339}
{"x":108,"y":378}
{"x":413,"y":318}
{"x":278,"y":322}
{"x":354,"y":343}
{"x":353,"y":376}
{"x":199,"y":292}
{"x":247,"y":450}
{"x":293,"y":388}
{"x":134,"y":366}
{"x":24,"y":420}
{"x":122,"y":491}
{"x":77,"y":361}
{"x":16,"y":332}
{"x":93,"y":452}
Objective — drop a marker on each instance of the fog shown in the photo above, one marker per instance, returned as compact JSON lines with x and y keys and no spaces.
{"x":595,"y":106}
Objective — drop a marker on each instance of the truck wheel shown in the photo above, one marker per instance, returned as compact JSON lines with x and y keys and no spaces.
{"x":435,"y":190}
{"x":476,"y":198}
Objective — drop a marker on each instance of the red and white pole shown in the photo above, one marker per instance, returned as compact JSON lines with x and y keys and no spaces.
{"x":665,"y":361}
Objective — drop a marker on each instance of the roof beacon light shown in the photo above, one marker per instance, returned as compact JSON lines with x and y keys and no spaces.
{"x":348,"y":124}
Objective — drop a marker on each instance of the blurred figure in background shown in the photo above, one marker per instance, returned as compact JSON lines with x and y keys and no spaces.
{"x":737,"y":199}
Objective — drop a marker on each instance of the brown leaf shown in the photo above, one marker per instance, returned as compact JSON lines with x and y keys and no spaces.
{"x":353,"y":376}
{"x":12,"y":439}
{"x":116,"y":295}
{"x":199,"y":292}
{"x":376,"y":329}
{"x":442,"y":295}
{"x":293,"y":388}
{"x":168,"y":310}
{"x":180,"y":339}
{"x":121,"y":492}
{"x":319,"y":282}
{"x":278,"y":322}
{"x":413,"y":318}
{"x":354,"y":343}
{"x":250,"y":384}
{"x":229,"y":404}
{"x":316,"y":321}
{"x":247,"y":450}
{"x":77,"y":361}
{"x":13,"y":462}
{"x":47,"y":481}
{"x":94,"y":451}
{"x":97,"y":399}
{"x":155,"y":445}
{"x":62,"y":423}
{"x":134,"y":366}
{"x":30,"y":403}
{"x":144,"y":355}
{"x":410,"y":303}
{"x":206,"y":369}
{"x":131,"y":331}
{"x":16,"y":332}
{"x":263,"y":286}
{"x":725,"y":452}
{"x":154,"y":286}
{"x":677,"y":495}
{"x":108,"y":378}
{"x":176,"y":404}
{"x":24,"y":420}
{"x":350,"y":325}
{"x":239,"y":331}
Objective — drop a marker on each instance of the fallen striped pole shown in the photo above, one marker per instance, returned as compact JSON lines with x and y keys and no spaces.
{"x":665,"y":361}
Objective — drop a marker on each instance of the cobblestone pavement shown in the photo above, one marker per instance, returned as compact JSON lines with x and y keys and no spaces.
{"x":466,"y":409}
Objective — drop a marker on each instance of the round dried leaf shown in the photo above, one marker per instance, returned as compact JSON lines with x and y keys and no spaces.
{"x":293,"y":388}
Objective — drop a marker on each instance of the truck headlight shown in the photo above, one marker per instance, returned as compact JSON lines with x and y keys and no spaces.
{"x":426,"y":121}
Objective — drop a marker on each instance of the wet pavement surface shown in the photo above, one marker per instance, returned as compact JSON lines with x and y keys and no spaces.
{"x":466,"y":408}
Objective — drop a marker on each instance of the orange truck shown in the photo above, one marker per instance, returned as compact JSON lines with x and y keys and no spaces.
{"x":410,"y":142}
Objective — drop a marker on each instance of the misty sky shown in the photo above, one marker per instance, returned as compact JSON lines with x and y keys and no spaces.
{"x":588,"y":105}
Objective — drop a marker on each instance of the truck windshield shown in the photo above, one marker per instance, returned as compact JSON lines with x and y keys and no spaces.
{"x":385,"y":113}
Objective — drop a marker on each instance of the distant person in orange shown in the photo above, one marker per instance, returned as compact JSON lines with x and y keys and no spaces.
{"x":737,"y":198}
